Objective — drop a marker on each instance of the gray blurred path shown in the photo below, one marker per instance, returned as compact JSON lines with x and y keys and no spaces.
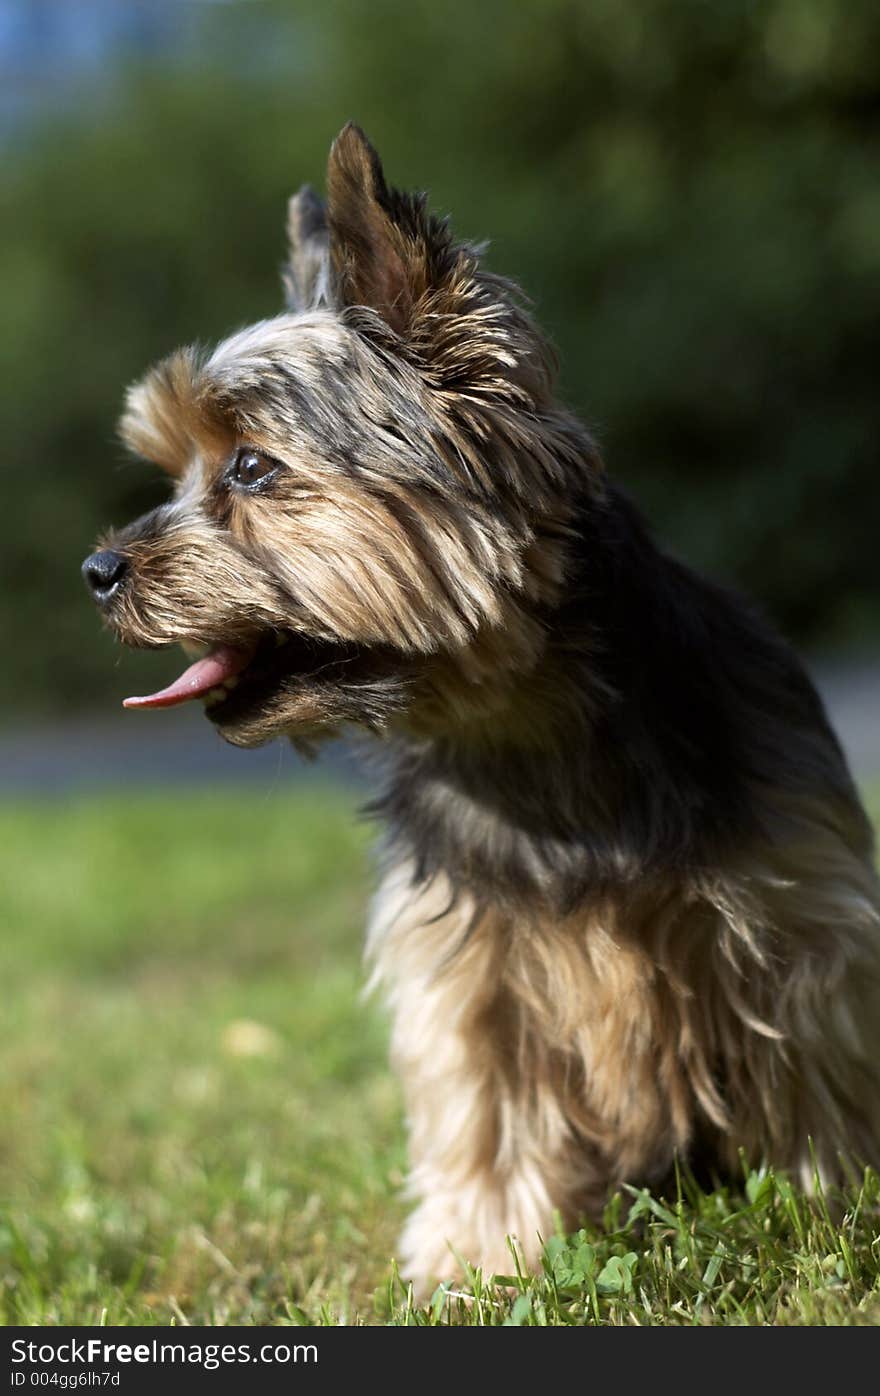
{"x":852,"y":696}
{"x":163,"y":748}
{"x":124,"y":749}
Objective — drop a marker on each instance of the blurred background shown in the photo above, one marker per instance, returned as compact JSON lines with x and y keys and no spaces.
{"x":198,"y":1121}
{"x":688,"y":189}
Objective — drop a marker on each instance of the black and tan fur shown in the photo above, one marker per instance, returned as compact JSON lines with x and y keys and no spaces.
{"x":629,"y":908}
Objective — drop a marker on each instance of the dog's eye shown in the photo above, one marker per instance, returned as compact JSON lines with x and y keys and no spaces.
{"x":252,"y":468}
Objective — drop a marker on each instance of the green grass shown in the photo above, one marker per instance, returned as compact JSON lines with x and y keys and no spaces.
{"x":197,"y":1121}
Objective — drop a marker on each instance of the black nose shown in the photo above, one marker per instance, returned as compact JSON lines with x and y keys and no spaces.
{"x":103,"y":572}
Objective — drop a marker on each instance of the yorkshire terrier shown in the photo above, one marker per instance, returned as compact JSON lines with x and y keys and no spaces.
{"x":629,"y":911}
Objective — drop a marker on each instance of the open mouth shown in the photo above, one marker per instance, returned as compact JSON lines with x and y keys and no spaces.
{"x":230,"y":679}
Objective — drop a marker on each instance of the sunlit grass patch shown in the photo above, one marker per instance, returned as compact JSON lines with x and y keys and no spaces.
{"x":197,"y":1121}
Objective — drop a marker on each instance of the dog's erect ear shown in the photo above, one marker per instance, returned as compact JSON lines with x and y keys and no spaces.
{"x":307,"y":273}
{"x":389,"y":253}
{"x":369,"y":252}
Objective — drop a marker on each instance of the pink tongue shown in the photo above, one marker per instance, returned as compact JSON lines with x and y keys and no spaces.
{"x":207,"y":673}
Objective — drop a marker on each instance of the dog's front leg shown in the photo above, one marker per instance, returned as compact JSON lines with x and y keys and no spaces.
{"x":491,"y":1152}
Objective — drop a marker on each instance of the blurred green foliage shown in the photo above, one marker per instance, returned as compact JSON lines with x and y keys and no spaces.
{"x":688,"y":189}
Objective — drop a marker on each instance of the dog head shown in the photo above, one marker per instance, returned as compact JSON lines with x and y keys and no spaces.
{"x":373,"y":491}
